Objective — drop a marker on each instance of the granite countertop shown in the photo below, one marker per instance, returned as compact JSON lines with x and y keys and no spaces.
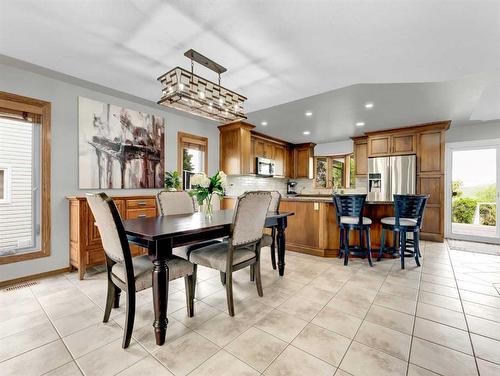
{"x":319,"y":198}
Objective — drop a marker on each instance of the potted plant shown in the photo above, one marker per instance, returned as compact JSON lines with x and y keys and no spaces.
{"x":205,"y":187}
{"x":172,"y":181}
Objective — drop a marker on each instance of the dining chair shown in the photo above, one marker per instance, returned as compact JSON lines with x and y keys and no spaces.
{"x":349,"y":214}
{"x":408,"y":211}
{"x":127,"y":273}
{"x":242,"y":248}
{"x":269,"y":240}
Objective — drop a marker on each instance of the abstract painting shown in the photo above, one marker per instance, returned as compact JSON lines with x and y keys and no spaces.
{"x":119,"y":148}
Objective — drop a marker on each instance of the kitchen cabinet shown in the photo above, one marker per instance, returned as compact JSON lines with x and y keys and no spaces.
{"x":279,"y":156}
{"x":303,"y":155}
{"x":361,"y":156}
{"x":392,"y":144}
{"x":235,"y":148}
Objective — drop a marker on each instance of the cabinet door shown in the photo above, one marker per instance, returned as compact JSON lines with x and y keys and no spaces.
{"x":404,"y":144}
{"x":303,"y":161}
{"x":430,"y":152}
{"x":252,"y":156}
{"x":268,"y":150}
{"x":361,"y":158}
{"x":259,"y":150}
{"x":379,"y":146}
{"x":279,"y":160}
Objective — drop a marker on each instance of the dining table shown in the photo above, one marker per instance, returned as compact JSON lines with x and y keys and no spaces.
{"x":160,"y":235}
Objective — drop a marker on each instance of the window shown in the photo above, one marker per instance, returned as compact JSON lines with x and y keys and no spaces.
{"x":192,"y":156}
{"x":335,"y":172}
{"x":24,"y":178}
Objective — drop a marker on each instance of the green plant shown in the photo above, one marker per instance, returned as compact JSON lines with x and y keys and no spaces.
{"x":463,"y":210}
{"x":205,"y":187}
{"x":457,"y":187}
{"x":172,"y":180}
{"x":488,"y":214}
{"x":187,"y":163}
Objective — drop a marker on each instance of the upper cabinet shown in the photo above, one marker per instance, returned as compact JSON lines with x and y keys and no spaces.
{"x":391,"y":144}
{"x":361,"y":155}
{"x":303,"y":156}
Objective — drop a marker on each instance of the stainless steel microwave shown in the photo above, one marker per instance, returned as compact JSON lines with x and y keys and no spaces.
{"x":265,"y":167}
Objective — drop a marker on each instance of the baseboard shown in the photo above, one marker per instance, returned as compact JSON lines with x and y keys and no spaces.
{"x":34,"y":276}
{"x":312,"y":251}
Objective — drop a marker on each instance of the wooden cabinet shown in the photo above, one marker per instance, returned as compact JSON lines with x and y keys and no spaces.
{"x":303,"y":155}
{"x":85,"y":244}
{"x":235,"y":148}
{"x":400,"y":143}
{"x":379,"y":146}
{"x":431,"y":152}
{"x":361,"y":155}
{"x":279,"y":156}
{"x":403,"y":144}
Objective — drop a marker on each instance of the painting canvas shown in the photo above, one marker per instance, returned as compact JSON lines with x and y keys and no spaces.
{"x":119,"y":148}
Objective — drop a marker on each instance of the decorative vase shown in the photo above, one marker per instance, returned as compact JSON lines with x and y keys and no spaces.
{"x":208,"y":208}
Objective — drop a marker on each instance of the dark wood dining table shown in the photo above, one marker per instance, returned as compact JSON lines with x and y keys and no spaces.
{"x":161,"y":234}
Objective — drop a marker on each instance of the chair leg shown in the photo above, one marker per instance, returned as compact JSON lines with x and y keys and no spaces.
{"x":129,"y":319}
{"x":361,"y":243}
{"x":341,"y":245}
{"x":258,"y":280}
{"x":382,"y":244}
{"x":346,"y":247}
{"x":111,"y":299}
{"x":195,"y":271}
{"x":402,"y":248}
{"x":273,"y":248}
{"x":416,"y":247}
{"x":395,"y":240}
{"x":368,"y":246}
{"x":252,"y":273}
{"x":223,"y":278}
{"x":229,"y":293}
{"x":188,"y":283}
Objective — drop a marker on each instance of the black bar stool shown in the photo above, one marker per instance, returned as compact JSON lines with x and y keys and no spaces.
{"x":349,"y":213}
{"x":409,"y":210}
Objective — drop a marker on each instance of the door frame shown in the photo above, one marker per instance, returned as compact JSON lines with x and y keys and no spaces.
{"x":469,"y":145}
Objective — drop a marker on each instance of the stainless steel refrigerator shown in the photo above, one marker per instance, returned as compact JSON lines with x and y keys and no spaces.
{"x":391,"y":175}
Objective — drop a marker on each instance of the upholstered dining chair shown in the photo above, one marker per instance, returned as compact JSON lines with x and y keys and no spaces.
{"x":408,"y":211}
{"x":349,"y":214}
{"x":127,"y":273}
{"x":242,"y":248}
{"x":269,"y":240}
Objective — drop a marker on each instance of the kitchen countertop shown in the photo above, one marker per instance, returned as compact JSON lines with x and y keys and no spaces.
{"x":327,"y":199}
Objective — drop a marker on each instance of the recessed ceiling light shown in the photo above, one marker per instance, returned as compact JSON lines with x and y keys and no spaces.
{"x":360,"y":124}
{"x":306,"y":132}
{"x":369,"y":105}
{"x":309,"y":113}
{"x":264,"y":123}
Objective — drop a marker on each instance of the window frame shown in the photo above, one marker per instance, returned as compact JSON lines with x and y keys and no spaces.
{"x":20,"y":107}
{"x":346,"y":183}
{"x":187,"y":138}
{"x":7,"y":184}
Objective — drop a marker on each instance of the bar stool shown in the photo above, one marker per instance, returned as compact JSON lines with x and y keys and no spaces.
{"x":349,"y":213}
{"x":409,"y":210}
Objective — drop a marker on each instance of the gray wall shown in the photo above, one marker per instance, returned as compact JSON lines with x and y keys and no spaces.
{"x":482,"y":131}
{"x":63,"y":91}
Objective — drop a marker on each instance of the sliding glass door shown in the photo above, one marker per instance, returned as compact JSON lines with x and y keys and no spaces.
{"x":473,"y":191}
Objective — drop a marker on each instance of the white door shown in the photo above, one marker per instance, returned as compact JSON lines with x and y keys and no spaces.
{"x":472,"y":191}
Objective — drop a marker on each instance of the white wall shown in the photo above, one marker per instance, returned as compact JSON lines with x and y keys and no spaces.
{"x":481,"y":131}
{"x":334,"y":148}
{"x":63,"y":91}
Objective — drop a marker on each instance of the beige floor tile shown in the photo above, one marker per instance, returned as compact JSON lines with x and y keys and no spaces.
{"x":482,"y":311}
{"x":207,"y":287}
{"x":396,"y":303}
{"x":295,"y":362}
{"x":202,"y":313}
{"x":354,"y":307}
{"x":21,"y":342}
{"x":362,"y":360}
{"x":186,"y":353}
{"x":384,"y":339}
{"x":450,"y":282}
{"x":146,"y":367}
{"x":484,"y":299}
{"x":222,"y":329}
{"x":315,"y":294}
{"x":486,"y":348}
{"x":74,"y":322}
{"x":22,"y":323}
{"x":414,"y":370}
{"x":407,"y":292}
{"x":69,"y":369}
{"x":483,"y":287}
{"x":340,"y":372}
{"x":37,"y":361}
{"x":91,"y":338}
{"x":146,"y":335}
{"x":441,"y":359}
{"x":338,"y":321}
{"x":282,"y":325}
{"x":389,"y":318}
{"x":256,"y":348}
{"x":488,"y":368}
{"x":444,"y":335}
{"x":13,"y":308}
{"x":144,"y":316}
{"x":451,"y":292}
{"x":224,"y":364}
{"x":486,"y":328}
{"x":301,"y":308}
{"x":441,"y":315}
{"x":440,"y":301}
{"x":322,"y":343}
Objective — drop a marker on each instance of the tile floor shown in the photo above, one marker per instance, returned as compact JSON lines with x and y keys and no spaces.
{"x":320,"y":319}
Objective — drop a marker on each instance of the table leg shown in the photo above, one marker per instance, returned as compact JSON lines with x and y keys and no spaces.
{"x":160,"y":277}
{"x":281,"y":245}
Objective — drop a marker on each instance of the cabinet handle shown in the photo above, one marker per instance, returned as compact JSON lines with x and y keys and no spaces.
{"x":141,"y":203}
{"x":141,"y":216}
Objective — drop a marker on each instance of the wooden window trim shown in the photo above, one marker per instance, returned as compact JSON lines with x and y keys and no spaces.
{"x":329,"y":163}
{"x":19,"y":104}
{"x":191,"y":139}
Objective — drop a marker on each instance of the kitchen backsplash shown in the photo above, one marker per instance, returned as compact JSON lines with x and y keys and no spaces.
{"x":306,"y":187}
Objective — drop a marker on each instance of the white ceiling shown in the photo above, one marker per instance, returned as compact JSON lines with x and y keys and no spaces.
{"x":278,"y":51}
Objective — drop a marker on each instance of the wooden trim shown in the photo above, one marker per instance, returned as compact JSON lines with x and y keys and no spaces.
{"x":436,"y":125}
{"x":193,"y":139}
{"x":19,"y":103}
{"x":265,"y":137}
{"x":34,"y":276}
{"x":235,"y":125}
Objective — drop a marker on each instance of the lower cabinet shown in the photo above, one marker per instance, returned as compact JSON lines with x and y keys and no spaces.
{"x":85,"y":246}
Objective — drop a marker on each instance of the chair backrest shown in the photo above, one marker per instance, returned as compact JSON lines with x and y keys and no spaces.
{"x":274,"y":206}
{"x":349,"y":206}
{"x":113,"y":236}
{"x":174,"y":202}
{"x":249,"y":217}
{"x":409,"y":206}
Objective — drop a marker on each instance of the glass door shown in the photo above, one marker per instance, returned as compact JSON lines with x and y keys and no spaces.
{"x":473,"y":193}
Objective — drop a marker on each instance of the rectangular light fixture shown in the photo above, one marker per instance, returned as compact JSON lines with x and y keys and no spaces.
{"x":191,"y":93}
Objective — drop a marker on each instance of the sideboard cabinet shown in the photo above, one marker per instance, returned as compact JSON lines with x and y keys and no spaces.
{"x":85,"y":247}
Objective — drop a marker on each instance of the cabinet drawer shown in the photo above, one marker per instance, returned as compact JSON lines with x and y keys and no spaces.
{"x":140,"y":213}
{"x":141,"y":203}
